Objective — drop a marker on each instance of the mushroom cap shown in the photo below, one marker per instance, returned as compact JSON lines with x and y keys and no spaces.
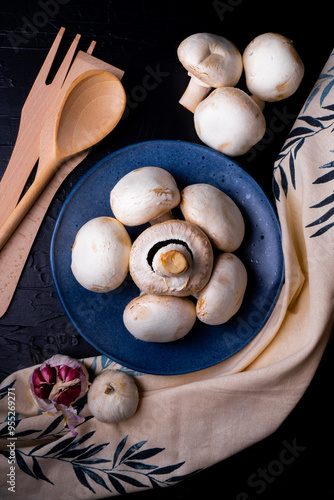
{"x":144,"y":194}
{"x":229,"y":121}
{"x":213,"y":59}
{"x":159,"y":318}
{"x":273,"y":68}
{"x":183,"y":234}
{"x":215,"y":213}
{"x":100,"y":254}
{"x":223,"y":295}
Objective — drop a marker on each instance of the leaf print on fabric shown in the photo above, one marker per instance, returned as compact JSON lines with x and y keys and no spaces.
{"x":128,"y":465}
{"x":4,"y":390}
{"x":290,"y":150}
{"x":296,"y":140}
{"x":323,"y":87}
{"x":327,"y":204}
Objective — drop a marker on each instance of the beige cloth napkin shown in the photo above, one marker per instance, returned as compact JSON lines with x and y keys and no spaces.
{"x":190,"y":422}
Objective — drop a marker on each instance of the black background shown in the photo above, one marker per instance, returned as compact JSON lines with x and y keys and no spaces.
{"x":141,"y":37}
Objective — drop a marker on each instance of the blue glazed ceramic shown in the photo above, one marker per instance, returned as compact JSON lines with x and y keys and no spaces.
{"x":99,"y":317}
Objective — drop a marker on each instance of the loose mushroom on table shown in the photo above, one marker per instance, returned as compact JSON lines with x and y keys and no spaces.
{"x":273,"y":67}
{"x":229,"y":121}
{"x":212,"y":61}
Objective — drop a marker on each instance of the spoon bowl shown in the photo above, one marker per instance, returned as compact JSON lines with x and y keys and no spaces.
{"x":89,"y":110}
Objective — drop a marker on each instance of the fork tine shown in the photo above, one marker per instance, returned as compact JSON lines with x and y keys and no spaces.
{"x":91,"y":48}
{"x":44,"y":71}
{"x":66,"y":63}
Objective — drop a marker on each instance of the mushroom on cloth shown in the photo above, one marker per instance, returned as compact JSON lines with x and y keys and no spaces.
{"x":159,"y":318}
{"x":223,"y":295}
{"x":211,"y":61}
{"x":146,"y":194}
{"x":273,"y":68}
{"x":215,"y":213}
{"x":100,"y":254}
{"x":171,"y":258}
{"x":230,"y":121}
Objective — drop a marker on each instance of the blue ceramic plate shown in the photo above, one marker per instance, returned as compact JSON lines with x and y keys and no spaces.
{"x":99,"y":317}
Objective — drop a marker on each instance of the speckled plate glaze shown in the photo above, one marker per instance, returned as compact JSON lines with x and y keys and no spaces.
{"x":99,"y":317}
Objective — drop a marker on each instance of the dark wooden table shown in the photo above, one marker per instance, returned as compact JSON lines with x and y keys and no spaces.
{"x":141,"y":37}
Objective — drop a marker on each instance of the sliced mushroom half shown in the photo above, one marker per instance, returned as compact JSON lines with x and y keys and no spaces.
{"x":171,"y":258}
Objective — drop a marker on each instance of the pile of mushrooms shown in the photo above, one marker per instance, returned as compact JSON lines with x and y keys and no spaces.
{"x":184,"y":268}
{"x":229,"y":119}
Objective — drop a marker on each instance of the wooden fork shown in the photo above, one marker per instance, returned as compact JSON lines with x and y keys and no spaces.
{"x":34,"y":112}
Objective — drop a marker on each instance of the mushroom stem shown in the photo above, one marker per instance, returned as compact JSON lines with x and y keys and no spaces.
{"x":162,"y":218}
{"x":194,"y":94}
{"x":259,"y":102}
{"x":174,"y":262}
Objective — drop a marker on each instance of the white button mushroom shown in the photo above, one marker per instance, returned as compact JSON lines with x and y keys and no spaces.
{"x":273,"y":68}
{"x":159,"y":318}
{"x":229,"y":121}
{"x":211,"y":61}
{"x":144,"y":195}
{"x":171,"y":258}
{"x":223,"y":295}
{"x":100,"y":254}
{"x":215,"y":213}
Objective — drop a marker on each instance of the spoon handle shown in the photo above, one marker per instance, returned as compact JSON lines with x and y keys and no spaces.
{"x":27,"y":201}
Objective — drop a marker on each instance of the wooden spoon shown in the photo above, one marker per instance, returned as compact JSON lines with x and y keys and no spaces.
{"x":91,"y":107}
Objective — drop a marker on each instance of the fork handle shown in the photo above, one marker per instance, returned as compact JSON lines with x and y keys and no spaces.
{"x":27,"y":201}
{"x":25,"y":152}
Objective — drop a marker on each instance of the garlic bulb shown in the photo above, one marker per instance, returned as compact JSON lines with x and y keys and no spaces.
{"x":113,"y":396}
{"x":57,"y":384}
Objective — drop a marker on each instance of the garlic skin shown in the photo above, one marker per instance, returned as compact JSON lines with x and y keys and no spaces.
{"x":113,"y":396}
{"x":57,"y":384}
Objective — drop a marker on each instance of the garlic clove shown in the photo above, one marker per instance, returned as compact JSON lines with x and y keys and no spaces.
{"x":113,"y":396}
{"x":67,"y":373}
{"x":69,"y":396}
{"x":49,"y":374}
